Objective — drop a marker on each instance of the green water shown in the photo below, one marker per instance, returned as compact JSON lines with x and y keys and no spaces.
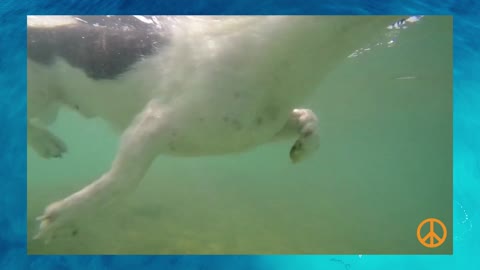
{"x":384,"y":165}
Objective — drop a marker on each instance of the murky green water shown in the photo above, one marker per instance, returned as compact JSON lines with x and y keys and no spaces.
{"x":384,"y":166}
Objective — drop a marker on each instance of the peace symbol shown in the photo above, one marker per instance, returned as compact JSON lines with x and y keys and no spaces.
{"x":428,"y":240}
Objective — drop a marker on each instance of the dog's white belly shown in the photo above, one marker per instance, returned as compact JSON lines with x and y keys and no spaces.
{"x":209,"y":113}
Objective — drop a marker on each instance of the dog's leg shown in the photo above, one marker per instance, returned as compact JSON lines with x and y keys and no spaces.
{"x":45,"y":143}
{"x":302,"y":123}
{"x":139,"y":146}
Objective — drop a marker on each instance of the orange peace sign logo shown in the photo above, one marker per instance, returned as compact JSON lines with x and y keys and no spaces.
{"x":428,"y":240}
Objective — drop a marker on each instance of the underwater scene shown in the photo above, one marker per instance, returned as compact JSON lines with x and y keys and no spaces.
{"x":383,"y":165}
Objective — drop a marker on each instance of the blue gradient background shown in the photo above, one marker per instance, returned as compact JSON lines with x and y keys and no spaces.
{"x":13,"y":134}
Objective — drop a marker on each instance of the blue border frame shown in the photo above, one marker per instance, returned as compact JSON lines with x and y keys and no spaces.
{"x":13,"y":133}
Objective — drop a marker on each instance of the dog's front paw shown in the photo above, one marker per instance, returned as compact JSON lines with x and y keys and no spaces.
{"x":54,"y":222}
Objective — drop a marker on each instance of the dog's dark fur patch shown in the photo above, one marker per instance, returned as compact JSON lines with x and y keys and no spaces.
{"x":104,"y":47}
